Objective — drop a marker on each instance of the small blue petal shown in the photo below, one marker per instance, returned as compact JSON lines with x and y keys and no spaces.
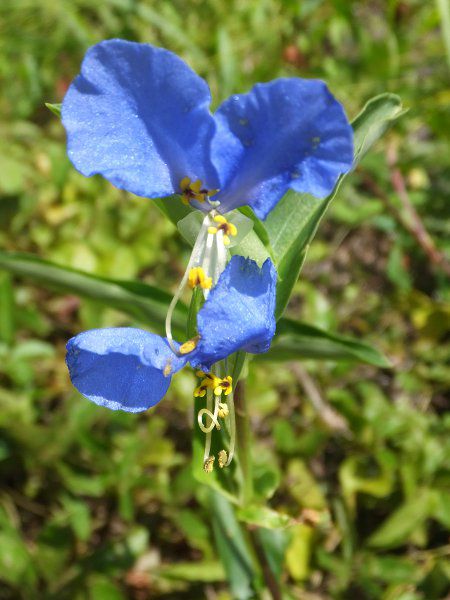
{"x":238,"y":314}
{"x":289,"y":133}
{"x":121,"y":368}
{"x":139,"y":116}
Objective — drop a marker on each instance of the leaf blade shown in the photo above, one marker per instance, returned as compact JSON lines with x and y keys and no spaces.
{"x":297,"y":340}
{"x":139,"y":300}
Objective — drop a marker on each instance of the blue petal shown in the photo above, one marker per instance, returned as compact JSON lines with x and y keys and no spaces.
{"x":238,"y":314}
{"x":139,"y":116}
{"x":289,"y":133}
{"x":121,"y":368}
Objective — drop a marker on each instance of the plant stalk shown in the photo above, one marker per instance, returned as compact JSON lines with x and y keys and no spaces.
{"x":243,"y":442}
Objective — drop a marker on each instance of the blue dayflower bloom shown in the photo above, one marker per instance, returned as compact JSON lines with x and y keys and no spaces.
{"x":131,"y":369}
{"x":239,"y":313}
{"x":139,"y":116}
{"x":121,"y":367}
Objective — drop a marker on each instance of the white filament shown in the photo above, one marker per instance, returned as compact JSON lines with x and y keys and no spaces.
{"x":194,"y":261}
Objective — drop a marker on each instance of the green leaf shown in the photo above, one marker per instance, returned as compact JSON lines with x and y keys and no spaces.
{"x":274,"y":543}
{"x":299,"y":552}
{"x":232,"y":548}
{"x":205,"y":571}
{"x":7,"y":328}
{"x":358,"y":475}
{"x":258,"y":225}
{"x":397,"y":528}
{"x":144,"y":302}
{"x":55,"y":108}
{"x":442,"y":507}
{"x":295,"y":340}
{"x":251,"y":246}
{"x":444,"y":12}
{"x":374,"y":120}
{"x":262,"y":516}
{"x":292,"y":224}
{"x":102,"y":588}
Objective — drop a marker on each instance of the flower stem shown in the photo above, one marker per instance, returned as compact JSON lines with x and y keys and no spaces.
{"x":243,"y":442}
{"x":245,"y":460}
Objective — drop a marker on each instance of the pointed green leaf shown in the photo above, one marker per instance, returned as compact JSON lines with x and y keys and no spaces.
{"x":55,"y":108}
{"x":397,"y":528}
{"x":263,"y":516}
{"x":143,"y":302}
{"x":296,"y":340}
{"x":232,"y":549}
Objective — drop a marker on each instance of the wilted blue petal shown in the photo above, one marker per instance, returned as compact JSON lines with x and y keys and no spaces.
{"x":239,"y":312}
{"x":139,"y":116}
{"x":289,"y":133}
{"x":121,"y":368}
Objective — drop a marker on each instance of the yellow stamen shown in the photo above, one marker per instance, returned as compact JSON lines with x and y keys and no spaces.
{"x":225,"y":227}
{"x":188,"y":346}
{"x":184,"y":183}
{"x":223,"y":386}
{"x":193,"y":190}
{"x":208,"y":382}
{"x":208,"y":465}
{"x":222,"y":458}
{"x":196,"y":186}
{"x":227,"y":385}
{"x":197,"y":276}
{"x":200,"y":391}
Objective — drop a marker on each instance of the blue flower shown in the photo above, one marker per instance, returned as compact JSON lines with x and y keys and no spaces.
{"x":130,"y":369}
{"x":139,"y":116}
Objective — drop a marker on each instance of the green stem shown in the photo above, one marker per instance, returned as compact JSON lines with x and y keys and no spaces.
{"x":245,"y":460}
{"x":243,"y":442}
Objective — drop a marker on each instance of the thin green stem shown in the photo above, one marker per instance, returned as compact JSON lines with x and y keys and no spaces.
{"x":243,"y":442}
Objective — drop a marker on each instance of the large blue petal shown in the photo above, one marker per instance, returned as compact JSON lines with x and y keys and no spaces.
{"x":238,"y":314}
{"x":121,"y":368}
{"x":289,"y":133}
{"x":139,"y":116}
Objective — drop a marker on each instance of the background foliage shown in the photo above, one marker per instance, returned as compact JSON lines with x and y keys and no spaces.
{"x":101,"y":505}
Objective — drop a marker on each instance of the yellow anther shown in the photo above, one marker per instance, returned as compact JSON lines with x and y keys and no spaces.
{"x":200,"y":391}
{"x":188,"y":346}
{"x":193,"y":190}
{"x":222,"y":458}
{"x":197,"y":277}
{"x":208,"y":465}
{"x":225,"y":226}
{"x":209,"y":381}
{"x":196,"y":186}
{"x":224,"y":386}
{"x":223,"y":410}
